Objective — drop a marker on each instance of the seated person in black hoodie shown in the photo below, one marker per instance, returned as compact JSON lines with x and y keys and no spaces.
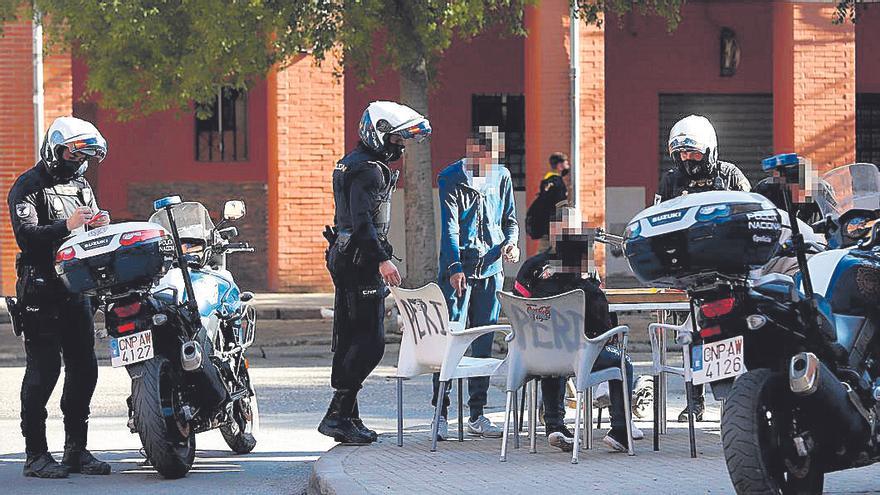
{"x":567,"y":265}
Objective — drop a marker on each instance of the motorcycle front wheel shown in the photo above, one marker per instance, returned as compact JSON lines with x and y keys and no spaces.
{"x":168,"y":441}
{"x":239,"y":433}
{"x":754,"y":432}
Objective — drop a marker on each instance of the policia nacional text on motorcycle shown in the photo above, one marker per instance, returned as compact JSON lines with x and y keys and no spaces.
{"x":47,"y":203}
{"x":359,"y":258}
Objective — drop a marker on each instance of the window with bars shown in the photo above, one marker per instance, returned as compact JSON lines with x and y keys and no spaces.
{"x":507,"y":112}
{"x":868,"y":127}
{"x":222,"y":137}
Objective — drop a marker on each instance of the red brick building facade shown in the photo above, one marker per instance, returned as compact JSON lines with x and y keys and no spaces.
{"x":799,"y":86}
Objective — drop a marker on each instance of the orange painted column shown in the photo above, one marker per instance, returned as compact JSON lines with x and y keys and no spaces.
{"x":306,"y":137}
{"x":17,"y":121}
{"x":814,"y":84}
{"x":548,"y":105}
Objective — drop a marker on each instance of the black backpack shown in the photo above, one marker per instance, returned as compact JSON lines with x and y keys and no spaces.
{"x":543,"y":208}
{"x":538,"y":216}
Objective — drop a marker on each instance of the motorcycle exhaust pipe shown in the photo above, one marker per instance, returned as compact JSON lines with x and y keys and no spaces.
{"x":191,"y":356}
{"x":817,"y":389}
{"x":201,"y":372}
{"x":803,"y":373}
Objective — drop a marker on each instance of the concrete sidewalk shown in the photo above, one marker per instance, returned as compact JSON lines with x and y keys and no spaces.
{"x":473,"y":467}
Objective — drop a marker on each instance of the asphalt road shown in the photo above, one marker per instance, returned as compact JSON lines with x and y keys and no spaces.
{"x":290,"y":368}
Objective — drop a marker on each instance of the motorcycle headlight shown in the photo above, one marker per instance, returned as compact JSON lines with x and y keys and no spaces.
{"x":633,"y":230}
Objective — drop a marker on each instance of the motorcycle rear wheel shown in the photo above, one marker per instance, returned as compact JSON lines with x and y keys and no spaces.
{"x":752,"y":433}
{"x":168,"y":441}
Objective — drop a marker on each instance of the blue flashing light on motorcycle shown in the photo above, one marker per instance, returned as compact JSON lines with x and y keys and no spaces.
{"x":776,"y":162}
{"x":166,"y":202}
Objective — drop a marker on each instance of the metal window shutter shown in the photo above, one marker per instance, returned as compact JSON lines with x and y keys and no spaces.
{"x":743,"y":123}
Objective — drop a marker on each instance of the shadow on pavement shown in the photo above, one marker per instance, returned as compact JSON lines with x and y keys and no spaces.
{"x":213,"y":471}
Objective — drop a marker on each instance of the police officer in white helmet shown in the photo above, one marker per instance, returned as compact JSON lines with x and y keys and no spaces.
{"x":693,"y":146}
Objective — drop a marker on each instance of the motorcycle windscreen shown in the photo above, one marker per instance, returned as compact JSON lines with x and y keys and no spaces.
{"x":192,"y":219}
{"x":854,"y":186}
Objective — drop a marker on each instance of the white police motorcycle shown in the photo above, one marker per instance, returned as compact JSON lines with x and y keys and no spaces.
{"x":796,"y":359}
{"x":177,"y":322}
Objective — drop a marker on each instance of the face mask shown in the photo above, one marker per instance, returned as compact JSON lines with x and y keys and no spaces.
{"x":69,"y":169}
{"x":393,"y":152}
{"x":565,"y":172}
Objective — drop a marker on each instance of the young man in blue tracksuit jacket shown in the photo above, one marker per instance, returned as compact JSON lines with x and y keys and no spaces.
{"x":478,"y":230}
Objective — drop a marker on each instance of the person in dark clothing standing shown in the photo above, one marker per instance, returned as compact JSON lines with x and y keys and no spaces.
{"x":566,"y":266}
{"x":359,"y":259}
{"x":693,"y":146}
{"x":48,"y":203}
{"x":552,"y":191}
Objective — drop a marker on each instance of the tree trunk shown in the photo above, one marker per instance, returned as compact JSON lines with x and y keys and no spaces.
{"x":421,"y":244}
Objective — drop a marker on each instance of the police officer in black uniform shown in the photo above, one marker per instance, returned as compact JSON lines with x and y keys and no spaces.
{"x":359,"y":259}
{"x":693,"y":146}
{"x":48,"y":203}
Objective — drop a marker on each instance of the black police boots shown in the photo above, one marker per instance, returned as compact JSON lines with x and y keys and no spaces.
{"x":44,"y":466}
{"x":337,"y":422}
{"x":699,"y":409}
{"x":356,"y":419}
{"x":78,"y":459}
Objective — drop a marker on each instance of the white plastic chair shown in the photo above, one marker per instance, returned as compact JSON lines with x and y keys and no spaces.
{"x":684,"y":336}
{"x":431,"y":344}
{"x":548,"y":340}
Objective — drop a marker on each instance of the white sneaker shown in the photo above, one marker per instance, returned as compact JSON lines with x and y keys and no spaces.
{"x":442,"y":429}
{"x":483,"y":427}
{"x":643,"y":396}
{"x":637,"y":433}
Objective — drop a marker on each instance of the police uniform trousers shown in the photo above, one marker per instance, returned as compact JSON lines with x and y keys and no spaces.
{"x":358,"y":324}
{"x":63,"y":328}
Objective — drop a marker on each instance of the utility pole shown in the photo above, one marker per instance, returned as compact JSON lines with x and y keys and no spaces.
{"x":39,"y":104}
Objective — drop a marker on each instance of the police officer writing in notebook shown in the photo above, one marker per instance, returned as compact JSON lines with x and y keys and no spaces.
{"x":359,"y":259}
{"x":47,"y":203}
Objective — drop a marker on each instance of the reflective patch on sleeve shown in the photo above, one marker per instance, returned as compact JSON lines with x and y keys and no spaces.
{"x":23,"y":210}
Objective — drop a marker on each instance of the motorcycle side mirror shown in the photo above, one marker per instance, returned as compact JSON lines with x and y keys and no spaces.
{"x":233,"y":210}
{"x":246,"y":296}
{"x":228,"y":232}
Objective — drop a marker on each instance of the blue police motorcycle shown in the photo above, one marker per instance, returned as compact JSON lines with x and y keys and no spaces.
{"x":177,"y":322}
{"x":795,"y":359}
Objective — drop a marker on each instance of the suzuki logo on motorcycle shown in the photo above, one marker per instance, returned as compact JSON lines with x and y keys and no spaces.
{"x":97,"y":243}
{"x":664,"y":218}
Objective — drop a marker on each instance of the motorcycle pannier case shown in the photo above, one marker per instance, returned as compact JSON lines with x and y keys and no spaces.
{"x":115,"y":258}
{"x":675,"y":242}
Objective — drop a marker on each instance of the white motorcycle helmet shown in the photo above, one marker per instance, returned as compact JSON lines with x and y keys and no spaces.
{"x":80,"y":138}
{"x":694,"y":133}
{"x":382,"y":119}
